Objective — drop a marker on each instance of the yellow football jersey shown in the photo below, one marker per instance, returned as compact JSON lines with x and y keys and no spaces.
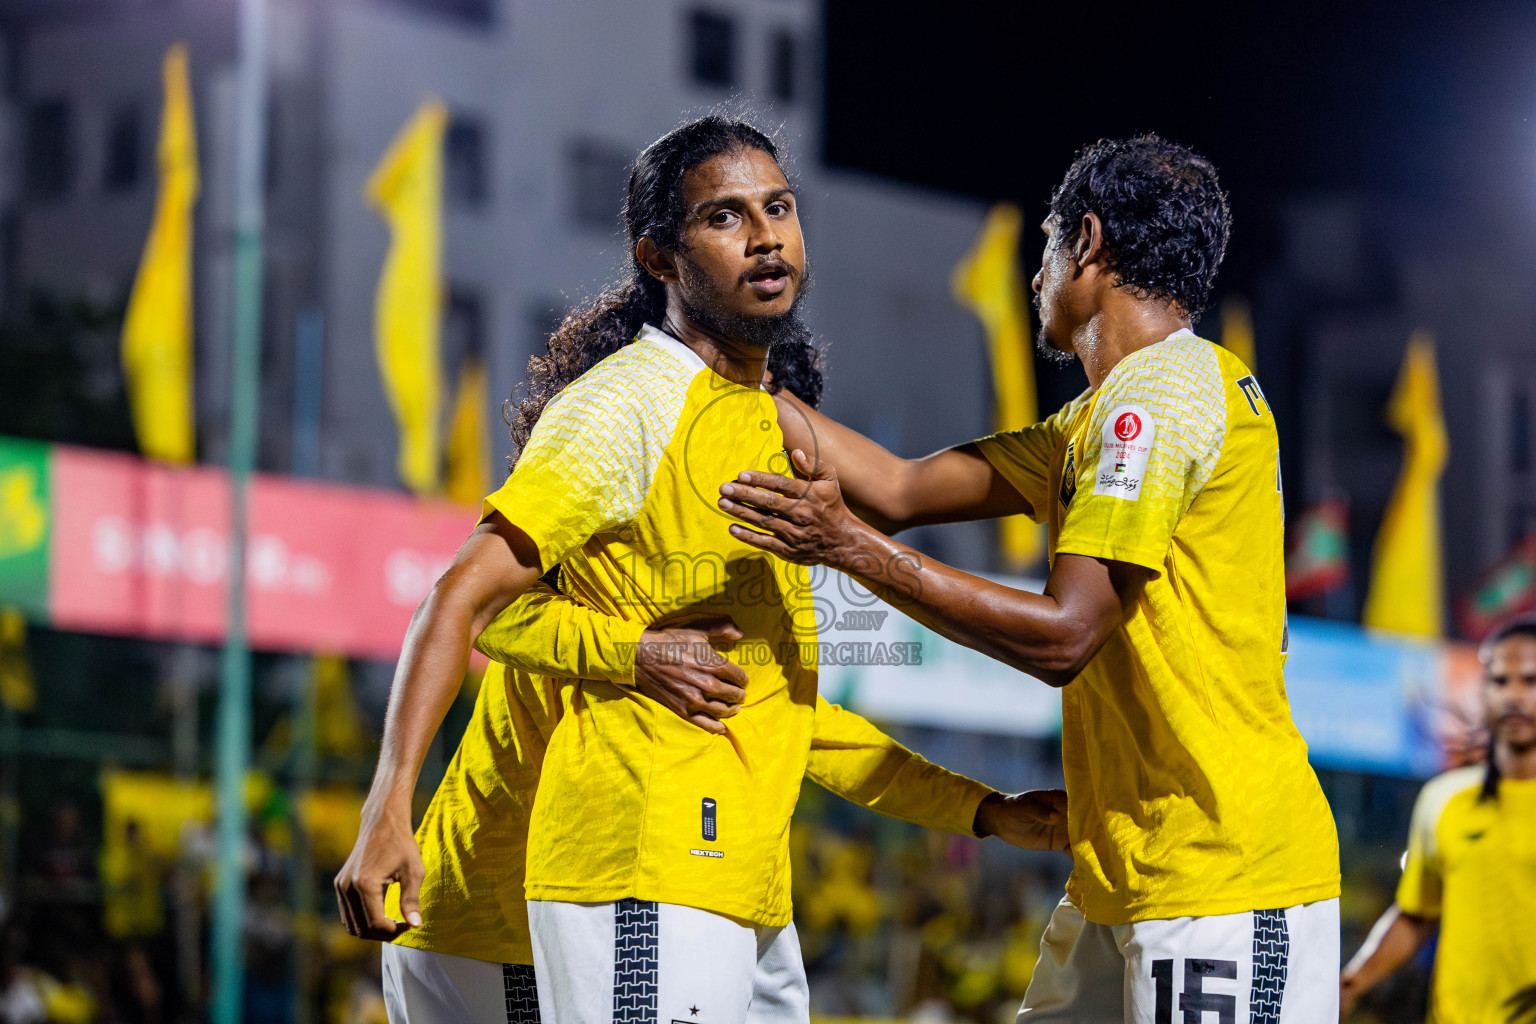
{"x":474,"y":835}
{"x":1189,"y":788}
{"x":619,"y":486}
{"x":1472,"y":864}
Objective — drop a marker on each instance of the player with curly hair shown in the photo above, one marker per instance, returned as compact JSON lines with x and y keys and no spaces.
{"x":1205,"y":876}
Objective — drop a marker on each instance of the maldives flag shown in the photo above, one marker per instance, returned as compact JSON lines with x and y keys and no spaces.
{"x":1318,"y":559}
{"x":1508,"y":589}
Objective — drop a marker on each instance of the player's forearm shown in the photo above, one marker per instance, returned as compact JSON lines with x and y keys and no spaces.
{"x":1393,"y":941}
{"x":1034,"y":633}
{"x":432,"y":664}
{"x":549,"y":633}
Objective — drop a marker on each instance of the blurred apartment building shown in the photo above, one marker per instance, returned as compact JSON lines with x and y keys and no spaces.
{"x":549,"y":102}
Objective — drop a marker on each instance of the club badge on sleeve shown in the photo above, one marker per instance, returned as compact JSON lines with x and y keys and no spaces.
{"x":1125,"y":445}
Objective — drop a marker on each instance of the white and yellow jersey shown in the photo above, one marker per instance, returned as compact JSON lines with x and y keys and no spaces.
{"x":1472,"y":864}
{"x":474,"y":835}
{"x":604,"y":793}
{"x":1189,"y":789}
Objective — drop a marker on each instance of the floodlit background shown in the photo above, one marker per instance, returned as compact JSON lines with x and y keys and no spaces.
{"x":1382,"y":168}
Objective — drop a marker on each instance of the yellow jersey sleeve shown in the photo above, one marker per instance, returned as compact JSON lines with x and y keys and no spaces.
{"x":1023,"y":458}
{"x":861,"y":764}
{"x":590,"y":461}
{"x":1420,"y":889}
{"x":1150,"y":444}
{"x":547,"y":633}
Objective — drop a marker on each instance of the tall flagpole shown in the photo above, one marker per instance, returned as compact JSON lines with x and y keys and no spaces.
{"x":234,"y":725}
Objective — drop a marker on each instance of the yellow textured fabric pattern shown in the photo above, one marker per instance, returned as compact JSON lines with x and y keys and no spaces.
{"x":157,"y":326}
{"x":1407,"y":589}
{"x":407,"y":190}
{"x":474,"y":835}
{"x":988,"y":283}
{"x":1472,"y":864}
{"x":1189,"y":788}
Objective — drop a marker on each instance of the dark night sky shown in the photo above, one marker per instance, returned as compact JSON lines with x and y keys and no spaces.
{"x":1405,"y":98}
{"x":1428,"y":104}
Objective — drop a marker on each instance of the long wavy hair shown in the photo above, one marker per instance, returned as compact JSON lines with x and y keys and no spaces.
{"x":653,"y":207}
{"x":1523,"y":626}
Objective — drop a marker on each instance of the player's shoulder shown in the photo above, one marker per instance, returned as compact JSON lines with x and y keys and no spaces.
{"x":643,"y":384}
{"x":1182,"y":369}
{"x":1457,"y":785}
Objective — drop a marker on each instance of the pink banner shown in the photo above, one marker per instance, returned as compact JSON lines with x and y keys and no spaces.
{"x":142,"y":549}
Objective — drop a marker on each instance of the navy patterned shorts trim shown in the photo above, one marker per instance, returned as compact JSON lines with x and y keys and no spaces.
{"x":517,"y":983}
{"x":634,"y":962}
{"x":1271,"y":956}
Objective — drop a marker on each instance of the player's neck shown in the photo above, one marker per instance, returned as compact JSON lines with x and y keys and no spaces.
{"x":1120,"y":328}
{"x":1515,"y":764}
{"x":731,"y":358}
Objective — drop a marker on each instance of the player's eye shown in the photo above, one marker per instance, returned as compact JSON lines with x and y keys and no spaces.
{"x":778,"y":208}
{"x":722,"y":217}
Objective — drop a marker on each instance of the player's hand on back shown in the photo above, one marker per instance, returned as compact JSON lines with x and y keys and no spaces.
{"x":678,"y":667}
{"x":385,"y":853}
{"x":1035,"y":820}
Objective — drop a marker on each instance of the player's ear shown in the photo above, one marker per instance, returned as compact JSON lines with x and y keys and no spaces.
{"x":656,"y":260}
{"x":1090,"y":240}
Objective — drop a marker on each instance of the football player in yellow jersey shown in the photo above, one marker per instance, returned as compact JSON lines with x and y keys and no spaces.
{"x":657,"y":857}
{"x":1471,"y":864}
{"x":1205,"y":860}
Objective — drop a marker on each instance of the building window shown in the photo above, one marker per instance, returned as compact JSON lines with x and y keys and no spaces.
{"x":1520,"y":432}
{"x":464,"y":160}
{"x":781,"y":66}
{"x":121,"y":168}
{"x":713,"y":48}
{"x":464,"y":326}
{"x":480,"y":13}
{"x":599,"y":177}
{"x":49,"y":151}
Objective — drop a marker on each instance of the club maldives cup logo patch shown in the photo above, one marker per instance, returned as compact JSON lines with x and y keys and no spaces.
{"x":1125,"y":445}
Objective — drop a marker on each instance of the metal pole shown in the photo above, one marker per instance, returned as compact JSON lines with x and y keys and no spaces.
{"x":234,"y":727}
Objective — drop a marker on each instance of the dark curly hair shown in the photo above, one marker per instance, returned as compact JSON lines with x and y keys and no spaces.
{"x":1165,"y":218}
{"x":653,"y":207}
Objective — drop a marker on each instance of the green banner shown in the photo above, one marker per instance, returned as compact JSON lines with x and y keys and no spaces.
{"x":24,"y":526}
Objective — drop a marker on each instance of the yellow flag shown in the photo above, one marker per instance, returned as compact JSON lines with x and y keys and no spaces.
{"x":157,"y":328}
{"x":1406,"y":584}
{"x":468,"y":446}
{"x":18,"y":690}
{"x":1237,"y":331}
{"x":407,"y":190}
{"x":988,"y":283}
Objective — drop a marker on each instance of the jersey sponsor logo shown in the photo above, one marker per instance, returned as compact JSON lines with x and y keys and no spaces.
{"x":1127,"y":426}
{"x":1125,"y":445}
{"x":708,"y":853}
{"x":1253,"y":393}
{"x":709,"y":820}
{"x":1069,"y":475}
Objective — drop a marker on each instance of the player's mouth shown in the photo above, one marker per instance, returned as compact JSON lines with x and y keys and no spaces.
{"x":769,"y":277}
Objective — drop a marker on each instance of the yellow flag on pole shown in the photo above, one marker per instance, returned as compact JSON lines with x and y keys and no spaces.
{"x":1406,"y":584}
{"x":157,"y":328}
{"x":1237,"y":331}
{"x":988,"y":283}
{"x":469,"y":454}
{"x":407,"y":190}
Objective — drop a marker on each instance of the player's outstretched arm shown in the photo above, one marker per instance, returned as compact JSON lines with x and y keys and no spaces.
{"x":853,"y":759}
{"x":892,"y":493}
{"x":1394,"y":939}
{"x":676,"y":665}
{"x":497,"y":563}
{"x":1052,"y":636}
